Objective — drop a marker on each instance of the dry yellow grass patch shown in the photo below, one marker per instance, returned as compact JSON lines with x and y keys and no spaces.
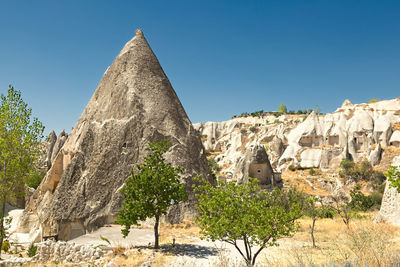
{"x":364,"y":244}
{"x":390,"y":153}
{"x":183,"y":233}
{"x":298,"y":180}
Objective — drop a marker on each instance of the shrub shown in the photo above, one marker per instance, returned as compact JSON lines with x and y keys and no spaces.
{"x":312,"y":171}
{"x":361,"y":202}
{"x":32,"y":250}
{"x":292,"y":167}
{"x":346,"y":165}
{"x":393,"y":175}
{"x":362,"y":171}
{"x":5,"y":246}
{"x":214,"y":167}
{"x":277,"y":121}
{"x":253,"y":129}
{"x":374,"y":100}
{"x":243,"y":131}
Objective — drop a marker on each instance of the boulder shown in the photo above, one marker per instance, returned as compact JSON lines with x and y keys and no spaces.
{"x":133,"y":105}
{"x":390,"y":207}
{"x":256,"y":164}
{"x":375,"y":155}
{"x":310,"y":158}
{"x":395,"y":139}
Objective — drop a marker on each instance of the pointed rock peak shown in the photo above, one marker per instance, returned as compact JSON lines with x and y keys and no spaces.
{"x":52,"y":135}
{"x":138,"y":42}
{"x":139,"y":32}
{"x":347,"y":103}
{"x":312,"y":116}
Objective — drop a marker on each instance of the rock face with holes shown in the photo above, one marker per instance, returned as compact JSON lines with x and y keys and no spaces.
{"x":354,"y":131}
{"x":257,"y":165}
{"x":390,"y":208}
{"x":134,"y":104}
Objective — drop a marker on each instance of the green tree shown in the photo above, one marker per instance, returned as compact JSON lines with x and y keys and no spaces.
{"x":152,"y":191}
{"x":230,"y":212}
{"x":344,"y":210}
{"x":316,"y":109}
{"x":316,"y":211}
{"x":282,"y":108}
{"x":20,"y":148}
{"x":393,"y":175}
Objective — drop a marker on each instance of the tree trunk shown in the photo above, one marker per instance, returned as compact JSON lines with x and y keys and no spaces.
{"x":312,"y":232}
{"x":156,"y":245}
{"x":2,"y":230}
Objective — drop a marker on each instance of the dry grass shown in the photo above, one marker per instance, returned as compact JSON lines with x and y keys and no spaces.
{"x":396,"y":126}
{"x":390,"y":153}
{"x":364,"y":244}
{"x":298,"y":179}
{"x":183,"y":233}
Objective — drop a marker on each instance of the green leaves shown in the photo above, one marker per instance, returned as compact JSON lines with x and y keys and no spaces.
{"x":20,"y":140}
{"x":231,"y":212}
{"x":153,"y":190}
{"x":393,"y":175}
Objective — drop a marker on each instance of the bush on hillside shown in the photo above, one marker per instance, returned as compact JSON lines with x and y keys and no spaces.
{"x":361,"y":172}
{"x":361,"y":202}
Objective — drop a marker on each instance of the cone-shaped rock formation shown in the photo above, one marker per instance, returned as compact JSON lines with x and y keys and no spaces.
{"x":134,"y":104}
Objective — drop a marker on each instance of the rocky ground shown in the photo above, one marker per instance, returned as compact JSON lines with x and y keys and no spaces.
{"x":181,"y":246}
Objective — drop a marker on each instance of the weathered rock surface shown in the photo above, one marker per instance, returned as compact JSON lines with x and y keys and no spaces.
{"x":134,"y":104}
{"x":62,"y":137}
{"x":390,"y":207}
{"x":67,"y":252}
{"x":50,"y":146}
{"x":356,"y":131}
{"x":257,"y":165}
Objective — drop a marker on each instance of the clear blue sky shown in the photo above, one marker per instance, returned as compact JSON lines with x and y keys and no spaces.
{"x":222,"y":57}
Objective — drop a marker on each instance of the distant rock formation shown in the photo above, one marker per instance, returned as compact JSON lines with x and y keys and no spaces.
{"x":256,"y":164}
{"x":134,"y":104}
{"x":390,"y":207}
{"x":355,"y":131}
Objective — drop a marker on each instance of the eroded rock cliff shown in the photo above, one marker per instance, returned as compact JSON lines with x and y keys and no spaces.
{"x":134,"y":104}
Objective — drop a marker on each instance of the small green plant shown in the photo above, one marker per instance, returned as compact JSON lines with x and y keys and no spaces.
{"x":374,"y":100}
{"x":292,"y":167}
{"x":393,"y":175}
{"x":243,"y":131}
{"x":277,"y":121}
{"x":253,"y":129}
{"x":105,"y":239}
{"x":5,"y":246}
{"x":16,"y":250}
{"x":312,"y":171}
{"x":214,"y":167}
{"x":32,"y":250}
